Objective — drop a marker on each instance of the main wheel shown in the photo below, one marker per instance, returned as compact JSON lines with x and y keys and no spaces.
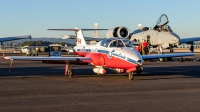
{"x":70,"y":72}
{"x":131,"y":76}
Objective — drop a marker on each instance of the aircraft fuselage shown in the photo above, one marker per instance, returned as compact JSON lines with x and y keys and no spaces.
{"x":111,"y":57}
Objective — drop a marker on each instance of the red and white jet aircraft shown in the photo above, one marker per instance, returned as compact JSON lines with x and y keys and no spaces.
{"x":115,"y":53}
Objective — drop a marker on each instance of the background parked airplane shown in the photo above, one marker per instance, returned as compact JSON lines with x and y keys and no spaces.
{"x":115,"y":53}
{"x":161,"y":35}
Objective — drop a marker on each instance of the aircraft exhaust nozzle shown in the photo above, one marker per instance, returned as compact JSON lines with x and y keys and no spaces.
{"x":118,"y":32}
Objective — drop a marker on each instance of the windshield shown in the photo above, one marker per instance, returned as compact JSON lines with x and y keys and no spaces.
{"x":105,"y":42}
{"x":116,"y":43}
{"x":169,"y":28}
{"x":162,"y":20}
{"x":55,"y":48}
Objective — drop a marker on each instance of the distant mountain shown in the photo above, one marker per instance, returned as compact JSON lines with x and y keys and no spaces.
{"x":53,"y":40}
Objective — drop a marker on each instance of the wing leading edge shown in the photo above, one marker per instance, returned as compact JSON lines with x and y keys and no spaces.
{"x":190,"y":39}
{"x":24,"y":58}
{"x":155,"y":56}
{"x":14,"y":38}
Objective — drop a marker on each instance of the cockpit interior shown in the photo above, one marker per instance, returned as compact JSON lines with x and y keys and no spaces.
{"x":111,"y":42}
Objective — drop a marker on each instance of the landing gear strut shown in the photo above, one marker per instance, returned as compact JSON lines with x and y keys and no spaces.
{"x":131,"y":76}
{"x":171,"y":48}
{"x":160,"y":49}
{"x":68,"y":70}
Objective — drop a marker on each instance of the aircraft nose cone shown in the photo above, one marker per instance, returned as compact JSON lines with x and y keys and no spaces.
{"x":139,"y":62}
{"x":176,"y":38}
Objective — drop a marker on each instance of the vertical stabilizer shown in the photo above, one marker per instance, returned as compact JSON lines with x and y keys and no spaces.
{"x":80,"y":38}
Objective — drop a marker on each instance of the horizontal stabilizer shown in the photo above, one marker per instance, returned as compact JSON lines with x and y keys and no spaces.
{"x":76,"y":29}
{"x":86,"y":38}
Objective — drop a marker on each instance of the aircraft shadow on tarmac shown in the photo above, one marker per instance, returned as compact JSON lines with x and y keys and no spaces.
{"x":186,"y":71}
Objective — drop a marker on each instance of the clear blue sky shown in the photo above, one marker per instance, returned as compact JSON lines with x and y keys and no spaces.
{"x":23,"y":17}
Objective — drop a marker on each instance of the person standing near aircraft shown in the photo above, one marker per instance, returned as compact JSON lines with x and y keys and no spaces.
{"x":138,"y":48}
{"x":144,"y":47}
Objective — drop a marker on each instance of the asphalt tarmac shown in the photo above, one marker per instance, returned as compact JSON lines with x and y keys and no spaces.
{"x":163,"y":86}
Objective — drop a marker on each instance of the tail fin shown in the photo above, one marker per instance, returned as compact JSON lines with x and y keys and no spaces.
{"x":80,"y":38}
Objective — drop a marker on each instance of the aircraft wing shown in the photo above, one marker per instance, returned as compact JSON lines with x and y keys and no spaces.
{"x":86,"y":38}
{"x":14,"y":38}
{"x":189,"y":40}
{"x":64,"y":59}
{"x":155,"y":56}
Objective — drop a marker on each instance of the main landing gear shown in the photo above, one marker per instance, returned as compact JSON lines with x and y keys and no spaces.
{"x":68,"y":70}
{"x":130,"y":75}
{"x":160,"y":49}
{"x":171,"y":48}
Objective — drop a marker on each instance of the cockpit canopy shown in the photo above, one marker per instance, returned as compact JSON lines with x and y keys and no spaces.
{"x":162,"y":20}
{"x":112,"y":42}
{"x":161,"y":24}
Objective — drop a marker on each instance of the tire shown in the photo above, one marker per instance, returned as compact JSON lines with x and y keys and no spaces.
{"x":131,"y":76}
{"x":70,"y":72}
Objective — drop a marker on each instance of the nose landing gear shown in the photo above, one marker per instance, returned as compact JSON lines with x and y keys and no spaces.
{"x":138,"y":71}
